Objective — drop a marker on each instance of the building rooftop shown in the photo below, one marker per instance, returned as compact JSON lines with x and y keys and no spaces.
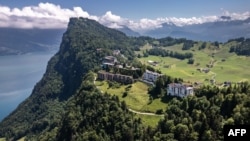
{"x":180,"y":85}
{"x":109,"y":57}
{"x":154,"y":73}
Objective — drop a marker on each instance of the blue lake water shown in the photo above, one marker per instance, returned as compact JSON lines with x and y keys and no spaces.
{"x":18,"y":76}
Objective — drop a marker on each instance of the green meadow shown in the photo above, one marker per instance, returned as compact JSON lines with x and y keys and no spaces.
{"x":149,"y":120}
{"x":137,"y":96}
{"x":137,"y":99}
{"x":226,"y":66}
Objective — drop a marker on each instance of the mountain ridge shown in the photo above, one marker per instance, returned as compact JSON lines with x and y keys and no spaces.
{"x":209,"y":31}
{"x":64,"y":74}
{"x":128,"y":31}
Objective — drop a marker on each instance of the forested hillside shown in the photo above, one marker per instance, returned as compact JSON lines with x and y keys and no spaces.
{"x":66,"y":105}
{"x":91,"y":115}
{"x":203,"y":116}
{"x":78,"y":55}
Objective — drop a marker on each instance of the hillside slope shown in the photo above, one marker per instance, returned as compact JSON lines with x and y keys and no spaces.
{"x":44,"y":108}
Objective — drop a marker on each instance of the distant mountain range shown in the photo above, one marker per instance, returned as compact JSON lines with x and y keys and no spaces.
{"x":19,"y":41}
{"x":128,"y":31}
{"x":222,"y":30}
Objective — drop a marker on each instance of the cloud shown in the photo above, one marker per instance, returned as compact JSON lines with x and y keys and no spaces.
{"x":115,"y":21}
{"x":45,"y":15}
{"x":111,"y":20}
{"x":48,"y":15}
{"x":236,"y":16}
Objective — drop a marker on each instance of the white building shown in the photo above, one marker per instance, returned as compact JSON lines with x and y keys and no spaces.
{"x":176,"y":89}
{"x":150,"y":76}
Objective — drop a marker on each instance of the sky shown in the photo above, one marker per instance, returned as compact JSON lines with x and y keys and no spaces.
{"x":136,"y":14}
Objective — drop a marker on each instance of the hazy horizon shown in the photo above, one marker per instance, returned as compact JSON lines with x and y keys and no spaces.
{"x":137,"y":15}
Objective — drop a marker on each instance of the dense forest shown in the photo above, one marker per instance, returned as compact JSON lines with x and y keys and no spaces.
{"x":165,"y":53}
{"x":66,"y":105}
{"x":202,"y":117}
{"x":91,"y":115}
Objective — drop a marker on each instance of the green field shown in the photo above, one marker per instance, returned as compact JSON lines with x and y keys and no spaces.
{"x":137,"y":99}
{"x":150,"y":120}
{"x":2,"y":139}
{"x":226,"y":66}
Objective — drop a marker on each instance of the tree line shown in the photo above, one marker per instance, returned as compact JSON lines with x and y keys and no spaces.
{"x":156,"y":51}
{"x":242,"y":48}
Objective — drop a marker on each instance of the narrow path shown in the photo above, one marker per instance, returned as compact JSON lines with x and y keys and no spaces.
{"x":214,"y":75}
{"x":144,"y":113}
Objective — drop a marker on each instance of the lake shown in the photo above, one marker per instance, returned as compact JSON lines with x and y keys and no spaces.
{"x":18,"y":76}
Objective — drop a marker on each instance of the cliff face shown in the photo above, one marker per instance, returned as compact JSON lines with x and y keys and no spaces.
{"x":45,"y":107}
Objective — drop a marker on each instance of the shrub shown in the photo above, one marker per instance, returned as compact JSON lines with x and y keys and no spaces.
{"x":125,"y":94}
{"x":159,"y":111}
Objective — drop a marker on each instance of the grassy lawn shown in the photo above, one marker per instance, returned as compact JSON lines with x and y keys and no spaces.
{"x":178,"y":68}
{"x":154,"y":106}
{"x":227,"y":66}
{"x":136,"y":99}
{"x":2,"y":139}
{"x":150,"y":120}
